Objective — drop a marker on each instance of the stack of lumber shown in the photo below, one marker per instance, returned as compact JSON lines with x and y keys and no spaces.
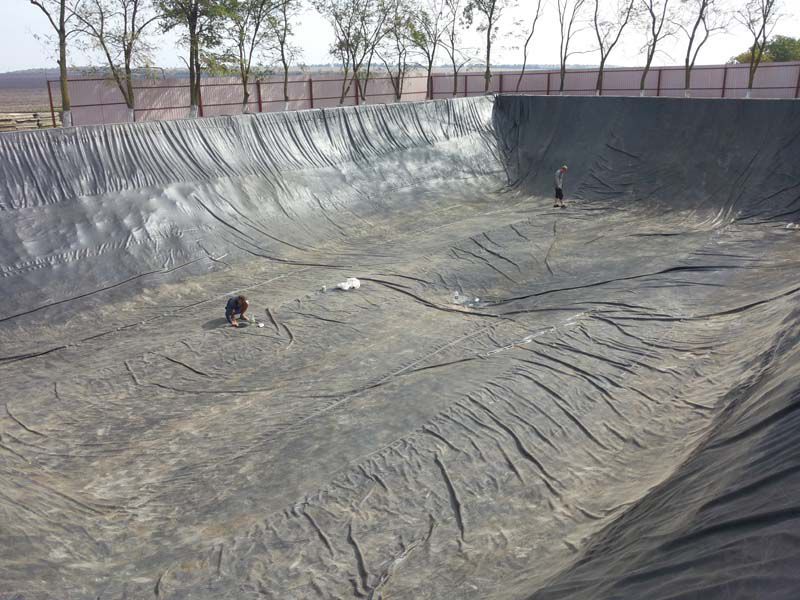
{"x":26,"y":121}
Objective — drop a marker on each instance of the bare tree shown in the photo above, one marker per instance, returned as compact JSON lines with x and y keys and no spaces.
{"x":282,"y":32}
{"x":608,"y":28}
{"x":534,"y":20}
{"x":451,"y":40}
{"x":700,"y":20}
{"x":656,"y":22}
{"x":491,"y":11}
{"x":358,"y":27}
{"x":570,"y":15}
{"x":117,"y":29}
{"x":201,"y":19}
{"x":427,"y":30}
{"x":760,"y":18}
{"x":396,"y":44}
{"x":61,"y":15}
{"x":243,"y":34}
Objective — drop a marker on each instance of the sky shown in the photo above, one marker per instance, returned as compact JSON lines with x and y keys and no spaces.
{"x":23,"y":26}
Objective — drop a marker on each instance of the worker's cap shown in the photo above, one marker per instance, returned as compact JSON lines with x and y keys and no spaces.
{"x":565,"y":167}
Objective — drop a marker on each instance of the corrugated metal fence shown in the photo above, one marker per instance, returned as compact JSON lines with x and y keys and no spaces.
{"x":96,"y":101}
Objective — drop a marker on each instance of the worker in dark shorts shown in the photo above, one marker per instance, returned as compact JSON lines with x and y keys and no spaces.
{"x":236,"y":306}
{"x":559,"y":182}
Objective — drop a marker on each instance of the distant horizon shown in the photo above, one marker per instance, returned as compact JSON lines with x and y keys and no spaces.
{"x":87,"y":69}
{"x":294,"y":69}
{"x":24,"y":44}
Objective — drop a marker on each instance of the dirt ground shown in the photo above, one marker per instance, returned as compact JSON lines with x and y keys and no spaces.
{"x":24,"y":100}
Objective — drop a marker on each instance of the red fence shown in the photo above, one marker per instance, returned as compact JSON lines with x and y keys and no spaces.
{"x":97,"y":101}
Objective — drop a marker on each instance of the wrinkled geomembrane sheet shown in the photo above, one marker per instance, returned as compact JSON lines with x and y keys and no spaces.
{"x":609,"y":409}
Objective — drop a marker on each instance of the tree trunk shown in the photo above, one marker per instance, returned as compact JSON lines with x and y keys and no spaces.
{"x":345,"y":86}
{"x":524,"y":64}
{"x":599,"y":87}
{"x":487,"y":76}
{"x":131,"y":98}
{"x":367,"y":76}
{"x":687,"y":84}
{"x":285,"y":84}
{"x":429,"y":81}
{"x":644,"y":73}
{"x":455,"y":80}
{"x":752,"y":75}
{"x":687,"y":78}
{"x":197,"y":76}
{"x":753,"y":66}
{"x":194,"y":74}
{"x":245,"y":95}
{"x":400,"y":80}
{"x":66,"y":107}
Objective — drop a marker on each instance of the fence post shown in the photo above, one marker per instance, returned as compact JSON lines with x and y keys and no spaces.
{"x":658,"y":85}
{"x":311,"y":91}
{"x":797,"y":86}
{"x":466,"y":84}
{"x":501,"y":83}
{"x":52,"y":110}
{"x":548,"y":83}
{"x":258,"y":95}
{"x":724,"y":80}
{"x":358,"y":91}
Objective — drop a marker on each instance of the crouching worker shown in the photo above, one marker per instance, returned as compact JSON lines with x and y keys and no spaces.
{"x":236,"y":306}
{"x":559,"y":182}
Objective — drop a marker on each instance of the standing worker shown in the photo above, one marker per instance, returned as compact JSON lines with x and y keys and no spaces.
{"x":559,"y":181}
{"x":237,"y":305}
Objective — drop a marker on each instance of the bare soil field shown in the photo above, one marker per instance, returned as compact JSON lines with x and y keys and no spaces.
{"x":24,"y":100}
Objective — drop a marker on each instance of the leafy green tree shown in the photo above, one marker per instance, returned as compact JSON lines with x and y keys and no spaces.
{"x":451,"y":39}
{"x":281,"y":27}
{"x":396,"y":44}
{"x":427,"y":27}
{"x":488,"y":13}
{"x":117,"y":28}
{"x":358,"y":28}
{"x":242,"y":36}
{"x":781,"y":48}
{"x":760,"y":18}
{"x":61,"y":16}
{"x":200,"y":19}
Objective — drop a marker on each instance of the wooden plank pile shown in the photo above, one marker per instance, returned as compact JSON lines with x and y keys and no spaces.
{"x":26,"y":121}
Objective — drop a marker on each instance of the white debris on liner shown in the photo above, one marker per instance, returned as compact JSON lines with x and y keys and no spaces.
{"x":793,"y":226}
{"x":460,"y":300}
{"x":351,"y":283}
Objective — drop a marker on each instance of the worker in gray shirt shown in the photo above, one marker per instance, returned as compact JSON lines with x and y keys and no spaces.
{"x":559,"y":182}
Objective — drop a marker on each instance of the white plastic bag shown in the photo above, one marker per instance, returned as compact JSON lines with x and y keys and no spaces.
{"x":351,"y":283}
